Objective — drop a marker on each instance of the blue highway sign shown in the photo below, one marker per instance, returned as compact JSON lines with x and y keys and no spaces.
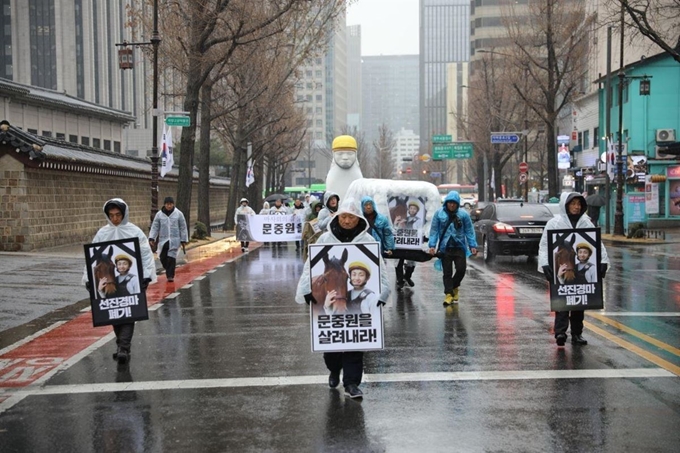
{"x":504,"y":138}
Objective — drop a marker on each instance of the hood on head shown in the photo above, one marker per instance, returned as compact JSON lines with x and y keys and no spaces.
{"x":368,"y":199}
{"x":452,"y":196}
{"x":350,"y":207}
{"x":265,"y":205}
{"x":314,"y":204}
{"x":327,"y":196}
{"x":567,"y":197}
{"x":120,"y":204}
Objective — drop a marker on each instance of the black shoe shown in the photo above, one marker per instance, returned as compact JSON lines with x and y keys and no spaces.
{"x":400,"y":286}
{"x":561,"y":339}
{"x":123,"y":357}
{"x":578,"y":339}
{"x":353,"y":391}
{"x":333,"y":380}
{"x":410,"y":282}
{"x":115,"y":355}
{"x":171,"y":280}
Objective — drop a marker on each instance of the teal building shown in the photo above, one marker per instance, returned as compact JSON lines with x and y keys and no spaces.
{"x":651,"y":134}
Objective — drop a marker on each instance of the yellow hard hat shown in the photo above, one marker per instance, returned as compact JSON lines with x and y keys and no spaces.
{"x":344,"y":143}
{"x":123,"y":257}
{"x":584,"y":245}
{"x":359,"y":265}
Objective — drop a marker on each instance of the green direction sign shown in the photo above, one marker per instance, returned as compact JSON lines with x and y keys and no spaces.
{"x":180,"y":121}
{"x":441,"y":139}
{"x":452,"y":151}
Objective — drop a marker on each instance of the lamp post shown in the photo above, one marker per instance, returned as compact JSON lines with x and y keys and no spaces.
{"x":127,"y":64}
{"x":618,"y":214}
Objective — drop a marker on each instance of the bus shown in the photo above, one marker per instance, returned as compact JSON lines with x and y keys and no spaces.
{"x":468,"y":193}
{"x":295,"y":192}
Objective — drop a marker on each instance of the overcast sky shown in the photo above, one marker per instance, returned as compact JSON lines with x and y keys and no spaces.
{"x":388,"y":27}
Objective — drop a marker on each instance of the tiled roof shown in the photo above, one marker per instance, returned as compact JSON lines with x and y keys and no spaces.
{"x":23,"y":142}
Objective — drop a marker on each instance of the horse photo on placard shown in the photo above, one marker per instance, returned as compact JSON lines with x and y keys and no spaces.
{"x":115,"y":272}
{"x":408,"y":214}
{"x":345,"y":281}
{"x":574,"y":257}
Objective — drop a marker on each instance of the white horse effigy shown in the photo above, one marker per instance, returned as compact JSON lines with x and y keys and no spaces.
{"x":344,"y":167}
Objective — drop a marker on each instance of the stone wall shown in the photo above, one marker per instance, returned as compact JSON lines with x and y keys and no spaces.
{"x":42,"y":208}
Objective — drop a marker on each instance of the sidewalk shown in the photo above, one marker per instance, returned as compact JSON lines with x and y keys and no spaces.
{"x":40,"y":288}
{"x":672,"y":237}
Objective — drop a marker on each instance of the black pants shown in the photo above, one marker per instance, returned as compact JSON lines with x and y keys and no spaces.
{"x":169,"y":263}
{"x":400,"y":270}
{"x":351,"y":364}
{"x":457,"y":258}
{"x":562,"y":319}
{"x":124,"y":334}
{"x":244,"y":244}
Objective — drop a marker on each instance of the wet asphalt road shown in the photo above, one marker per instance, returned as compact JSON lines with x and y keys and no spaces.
{"x":225,"y":366}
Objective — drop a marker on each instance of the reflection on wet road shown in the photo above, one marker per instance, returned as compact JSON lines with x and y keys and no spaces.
{"x":226,"y":366}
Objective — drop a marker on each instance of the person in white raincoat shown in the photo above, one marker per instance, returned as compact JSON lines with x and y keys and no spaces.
{"x":119,"y":227}
{"x":243,"y":209}
{"x":348,"y":226}
{"x":573,"y":208}
{"x":169,"y":231}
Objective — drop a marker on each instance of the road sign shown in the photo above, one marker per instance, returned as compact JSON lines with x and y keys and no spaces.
{"x":179,"y":121}
{"x":435,"y":174}
{"x":441,"y":139}
{"x":522,"y":177}
{"x":523,"y":167}
{"x":462,"y":150}
{"x":501,"y":138}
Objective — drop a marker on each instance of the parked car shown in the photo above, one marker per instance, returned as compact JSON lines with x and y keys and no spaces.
{"x":468,"y":201}
{"x":477,"y":210}
{"x":510,"y":228}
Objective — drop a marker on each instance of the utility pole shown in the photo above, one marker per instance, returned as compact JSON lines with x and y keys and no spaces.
{"x":618,"y":215}
{"x":608,"y":131}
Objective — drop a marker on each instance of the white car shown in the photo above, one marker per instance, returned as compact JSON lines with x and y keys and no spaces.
{"x":468,"y":201}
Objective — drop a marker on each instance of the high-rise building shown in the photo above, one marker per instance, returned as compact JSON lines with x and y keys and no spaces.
{"x":390,"y":94}
{"x":406,"y":146}
{"x":354,"y":76}
{"x":444,"y":39}
{"x":322,"y":93}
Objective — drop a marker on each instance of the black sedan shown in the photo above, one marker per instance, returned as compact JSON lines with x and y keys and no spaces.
{"x":510,"y":228}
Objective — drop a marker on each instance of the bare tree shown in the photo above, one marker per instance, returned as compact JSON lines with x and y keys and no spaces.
{"x":550,"y":45}
{"x":657,"y":20}
{"x":382,"y":163}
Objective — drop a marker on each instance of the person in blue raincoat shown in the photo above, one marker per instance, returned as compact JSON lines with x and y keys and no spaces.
{"x":169,"y":231}
{"x":452,"y":236}
{"x":378,"y":226}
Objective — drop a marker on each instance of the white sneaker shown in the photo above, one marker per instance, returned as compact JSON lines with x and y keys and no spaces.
{"x":246,"y":250}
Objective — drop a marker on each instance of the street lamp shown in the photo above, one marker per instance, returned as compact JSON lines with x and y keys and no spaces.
{"x":124,"y":61}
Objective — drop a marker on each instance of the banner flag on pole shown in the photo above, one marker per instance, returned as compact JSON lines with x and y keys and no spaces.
{"x":167,"y":159}
{"x":250,"y":175}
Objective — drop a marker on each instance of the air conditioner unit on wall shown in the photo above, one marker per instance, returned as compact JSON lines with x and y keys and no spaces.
{"x":665,"y":135}
{"x":661,"y":155}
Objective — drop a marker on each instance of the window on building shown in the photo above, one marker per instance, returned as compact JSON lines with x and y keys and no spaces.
{"x":586,"y":139}
{"x":318,"y":135}
{"x":309,"y":110}
{"x":107,"y":145}
{"x":308,"y":97}
{"x":96,"y":143}
{"x":319,"y":73}
{"x":319,"y":110}
{"x":132,"y":152}
{"x":116,"y":147}
{"x":33,"y":131}
{"x":580,"y":139}
{"x":596,"y":137}
{"x":73,"y":138}
{"x":46,"y":133}
{"x":308,"y":73}
{"x":318,"y":61}
{"x":319,"y":97}
{"x":61,"y":136}
{"x":85,"y":141}
{"x":319,"y":123}
{"x":309,"y":85}
{"x":309,"y":123}
{"x":625,"y":93}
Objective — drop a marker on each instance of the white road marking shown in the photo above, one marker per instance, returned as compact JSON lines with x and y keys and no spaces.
{"x":199,"y":278}
{"x":86,"y":309}
{"x":640,"y":313}
{"x":187,"y":286}
{"x":211,"y":271}
{"x":322,"y":379}
{"x":172,"y":296}
{"x":221,"y":265}
{"x":31,"y":337}
{"x":155,"y":306}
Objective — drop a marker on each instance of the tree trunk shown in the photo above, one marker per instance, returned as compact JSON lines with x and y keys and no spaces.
{"x":204,"y":161}
{"x":186,"y":160}
{"x":553,"y":186}
{"x":481,"y":181}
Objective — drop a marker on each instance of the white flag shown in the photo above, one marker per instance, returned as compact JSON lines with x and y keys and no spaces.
{"x":492,"y":183}
{"x":250,"y":176}
{"x":167,"y":159}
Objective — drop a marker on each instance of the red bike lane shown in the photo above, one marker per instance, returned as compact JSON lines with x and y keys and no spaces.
{"x":28,"y":362}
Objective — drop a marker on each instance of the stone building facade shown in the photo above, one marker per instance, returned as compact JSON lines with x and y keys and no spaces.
{"x":52,"y":193}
